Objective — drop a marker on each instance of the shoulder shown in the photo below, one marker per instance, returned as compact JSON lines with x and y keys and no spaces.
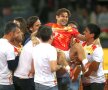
{"x":28,"y":46}
{"x":53,"y":47}
{"x":6,"y":44}
{"x":29,"y":43}
{"x":50,"y":49}
{"x":98,"y":49}
{"x":84,"y":43}
{"x":98,"y":54}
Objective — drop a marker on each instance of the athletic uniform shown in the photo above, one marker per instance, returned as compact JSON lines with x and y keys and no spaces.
{"x":62,"y":36}
{"x":97,"y":79}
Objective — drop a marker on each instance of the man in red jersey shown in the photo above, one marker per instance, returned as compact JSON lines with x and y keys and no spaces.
{"x":62,"y":38}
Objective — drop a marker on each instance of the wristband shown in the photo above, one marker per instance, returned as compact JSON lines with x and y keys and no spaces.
{"x":67,"y":68}
{"x":84,"y":62}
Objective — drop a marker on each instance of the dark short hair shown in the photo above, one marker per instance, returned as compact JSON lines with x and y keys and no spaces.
{"x":73,"y":22}
{"x":94,"y":29}
{"x":10,"y":27}
{"x":44,"y":33}
{"x":60,"y":11}
{"x":31,"y":20}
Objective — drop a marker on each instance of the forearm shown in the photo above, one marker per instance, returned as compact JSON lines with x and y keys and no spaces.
{"x":81,"y":37}
{"x":56,"y":68}
{"x":32,"y":71}
{"x":88,"y":68}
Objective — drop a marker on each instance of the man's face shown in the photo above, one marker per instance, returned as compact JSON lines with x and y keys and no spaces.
{"x":87,"y":34}
{"x":62,"y":19}
{"x":36,"y":26}
{"x":18,"y":35}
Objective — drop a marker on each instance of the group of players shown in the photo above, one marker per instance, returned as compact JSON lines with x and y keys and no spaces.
{"x":53,"y":56}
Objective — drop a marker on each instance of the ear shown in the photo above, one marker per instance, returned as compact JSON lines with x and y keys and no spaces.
{"x":10,"y":33}
{"x":31,"y":29}
{"x":56,"y":17}
{"x":51,"y":37}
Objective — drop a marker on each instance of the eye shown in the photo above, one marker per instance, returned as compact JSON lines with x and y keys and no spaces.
{"x":64,"y":16}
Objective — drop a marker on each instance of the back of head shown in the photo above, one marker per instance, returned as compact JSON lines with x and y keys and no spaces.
{"x":62,"y":10}
{"x":44,"y":33}
{"x":22,"y":22}
{"x":10,"y":27}
{"x":94,"y":29}
{"x":20,"y":19}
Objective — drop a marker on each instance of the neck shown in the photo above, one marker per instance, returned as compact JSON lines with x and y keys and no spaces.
{"x":90,"y":41}
{"x":7,"y":37}
{"x":49,"y":41}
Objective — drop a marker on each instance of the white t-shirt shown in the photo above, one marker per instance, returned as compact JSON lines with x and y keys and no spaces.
{"x":42,"y":55}
{"x":95,"y":53}
{"x":25,"y":60}
{"x":6,"y":54}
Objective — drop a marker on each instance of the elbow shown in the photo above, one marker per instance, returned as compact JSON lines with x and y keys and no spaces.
{"x":12,"y":68}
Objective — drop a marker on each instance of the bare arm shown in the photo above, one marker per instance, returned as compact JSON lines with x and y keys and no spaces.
{"x":92,"y":67}
{"x":32,"y":71}
{"x":81,"y":37}
{"x":61,"y":58}
{"x":78,"y":50}
{"x":54,"y":66}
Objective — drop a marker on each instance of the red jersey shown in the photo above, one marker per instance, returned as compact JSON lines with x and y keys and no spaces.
{"x":62,"y":35}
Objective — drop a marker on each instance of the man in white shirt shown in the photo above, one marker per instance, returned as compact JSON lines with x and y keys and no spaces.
{"x":23,"y":80}
{"x":7,"y":56}
{"x":45,"y":61}
{"x":93,"y":78}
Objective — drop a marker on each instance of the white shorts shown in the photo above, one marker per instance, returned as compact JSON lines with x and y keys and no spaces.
{"x":67,"y":55}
